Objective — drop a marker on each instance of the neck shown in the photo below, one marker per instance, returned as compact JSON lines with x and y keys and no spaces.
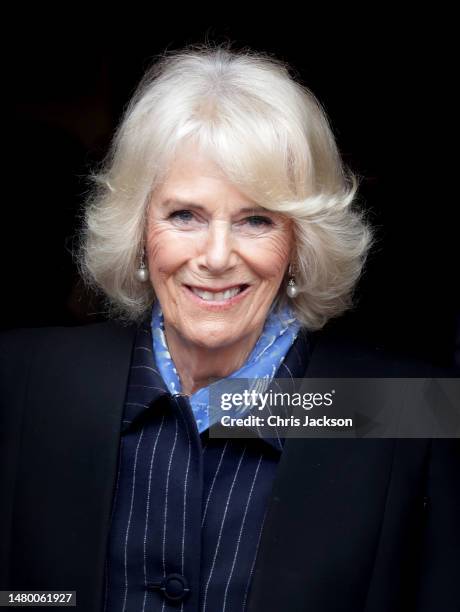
{"x":196,"y":365}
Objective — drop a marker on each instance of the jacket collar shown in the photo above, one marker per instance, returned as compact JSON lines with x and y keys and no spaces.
{"x":146,"y":384}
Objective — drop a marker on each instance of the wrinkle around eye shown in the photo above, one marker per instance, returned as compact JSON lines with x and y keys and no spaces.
{"x":177,"y":215}
{"x":178,"y":220}
{"x":261,"y":221}
{"x":256,"y":226}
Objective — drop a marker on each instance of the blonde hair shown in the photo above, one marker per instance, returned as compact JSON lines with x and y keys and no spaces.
{"x":272,"y":139}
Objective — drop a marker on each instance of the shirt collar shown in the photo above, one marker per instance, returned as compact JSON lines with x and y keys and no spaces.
{"x":146,"y":385}
{"x":279,"y":332}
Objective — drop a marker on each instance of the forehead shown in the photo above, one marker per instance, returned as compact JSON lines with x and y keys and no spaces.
{"x":191,"y":161}
{"x":195,"y":178}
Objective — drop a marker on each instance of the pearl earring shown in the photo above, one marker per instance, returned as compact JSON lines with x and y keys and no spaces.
{"x":142,"y":273}
{"x":292,"y":289}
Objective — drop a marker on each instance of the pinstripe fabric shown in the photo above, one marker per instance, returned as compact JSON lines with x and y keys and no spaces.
{"x":188,"y":509}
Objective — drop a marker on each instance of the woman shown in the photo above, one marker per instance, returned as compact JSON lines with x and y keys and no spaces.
{"x":222,"y":232}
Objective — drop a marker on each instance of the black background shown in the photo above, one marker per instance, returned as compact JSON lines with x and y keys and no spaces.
{"x":381,"y":79}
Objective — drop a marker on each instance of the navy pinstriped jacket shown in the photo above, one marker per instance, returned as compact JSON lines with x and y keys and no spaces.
{"x":188,"y":509}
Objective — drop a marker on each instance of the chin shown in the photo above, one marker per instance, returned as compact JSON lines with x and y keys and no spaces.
{"x":212,"y":340}
{"x":214,"y":343}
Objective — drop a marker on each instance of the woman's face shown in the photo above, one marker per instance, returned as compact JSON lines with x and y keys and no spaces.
{"x":216,"y":260}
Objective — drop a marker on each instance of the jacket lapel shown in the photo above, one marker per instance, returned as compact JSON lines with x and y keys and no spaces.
{"x":322,"y":527}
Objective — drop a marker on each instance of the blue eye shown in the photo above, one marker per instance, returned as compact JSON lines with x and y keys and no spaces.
{"x":259,"y":221}
{"x":181,"y":215}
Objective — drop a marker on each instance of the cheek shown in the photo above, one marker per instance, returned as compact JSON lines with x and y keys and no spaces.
{"x":166,"y":250}
{"x":271,"y":256}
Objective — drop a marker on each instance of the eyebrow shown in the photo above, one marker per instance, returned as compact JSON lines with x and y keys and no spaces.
{"x":176,"y":202}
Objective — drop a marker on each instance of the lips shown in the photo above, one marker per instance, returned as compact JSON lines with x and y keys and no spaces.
{"x":212,"y":294}
{"x":217,"y":300}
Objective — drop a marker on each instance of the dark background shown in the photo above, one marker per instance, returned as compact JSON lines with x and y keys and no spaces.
{"x":69,"y":77}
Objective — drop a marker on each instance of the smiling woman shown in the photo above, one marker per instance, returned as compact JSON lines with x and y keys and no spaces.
{"x":223,"y":232}
{"x":265,"y":137}
{"x":215,"y":270}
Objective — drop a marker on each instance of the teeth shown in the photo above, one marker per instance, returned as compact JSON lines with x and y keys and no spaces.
{"x":216,"y":297}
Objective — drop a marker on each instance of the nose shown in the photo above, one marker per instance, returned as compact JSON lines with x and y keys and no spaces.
{"x":218,"y":251}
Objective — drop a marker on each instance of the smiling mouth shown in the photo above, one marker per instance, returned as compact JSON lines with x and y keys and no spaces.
{"x":217,"y":296}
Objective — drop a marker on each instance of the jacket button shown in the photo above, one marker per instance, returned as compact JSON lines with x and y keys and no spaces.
{"x":174,"y":587}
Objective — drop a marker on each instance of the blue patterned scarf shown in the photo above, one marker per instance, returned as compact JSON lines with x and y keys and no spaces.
{"x":277,"y":337}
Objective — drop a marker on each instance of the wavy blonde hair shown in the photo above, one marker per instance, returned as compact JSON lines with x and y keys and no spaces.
{"x":271,"y":138}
